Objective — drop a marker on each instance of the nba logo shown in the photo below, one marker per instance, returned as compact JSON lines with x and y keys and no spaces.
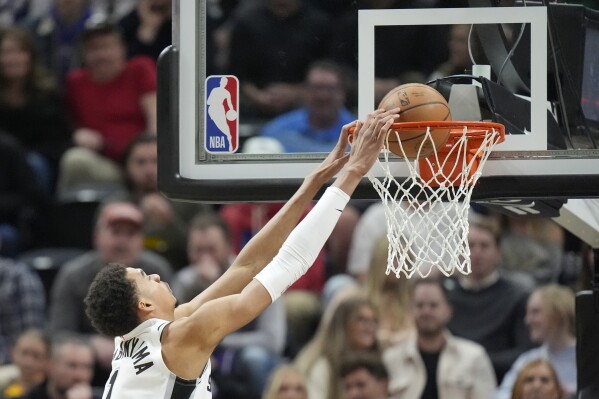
{"x":222,"y":125}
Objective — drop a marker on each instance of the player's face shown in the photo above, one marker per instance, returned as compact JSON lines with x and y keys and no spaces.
{"x":484,"y":252}
{"x":430,"y":310}
{"x":15,"y":61}
{"x":151,"y":287}
{"x":362,"y":385}
{"x":142,"y":167}
{"x":362,"y":328}
{"x":74,"y":364}
{"x":537,"y":320}
{"x":540,"y":384}
{"x":292,"y":387}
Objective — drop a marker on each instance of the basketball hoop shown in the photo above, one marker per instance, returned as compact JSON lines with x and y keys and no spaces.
{"x":427,"y":214}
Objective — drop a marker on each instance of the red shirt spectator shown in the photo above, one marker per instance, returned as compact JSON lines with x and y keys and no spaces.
{"x":113,"y":108}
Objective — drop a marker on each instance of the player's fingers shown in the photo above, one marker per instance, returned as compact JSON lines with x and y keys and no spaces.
{"x":345,"y":134}
{"x":384,"y":131}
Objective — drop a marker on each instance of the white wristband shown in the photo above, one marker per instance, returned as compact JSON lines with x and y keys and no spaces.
{"x":304,"y":243}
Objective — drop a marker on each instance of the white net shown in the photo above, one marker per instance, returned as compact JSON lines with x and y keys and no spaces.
{"x":427,"y":214}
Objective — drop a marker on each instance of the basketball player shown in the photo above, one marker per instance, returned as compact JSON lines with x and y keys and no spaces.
{"x":216,"y":108}
{"x":163,"y":351}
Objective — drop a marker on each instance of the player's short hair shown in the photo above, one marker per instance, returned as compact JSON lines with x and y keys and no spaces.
{"x":369,"y":361}
{"x":111,"y":301}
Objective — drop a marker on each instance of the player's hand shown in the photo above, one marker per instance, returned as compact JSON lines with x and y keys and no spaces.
{"x":337,"y":158}
{"x":369,"y":139}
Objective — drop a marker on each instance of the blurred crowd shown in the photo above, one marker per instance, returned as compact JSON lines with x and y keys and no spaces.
{"x":78,"y":189}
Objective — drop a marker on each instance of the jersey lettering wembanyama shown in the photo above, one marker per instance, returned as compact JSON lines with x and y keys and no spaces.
{"x":138,"y":370}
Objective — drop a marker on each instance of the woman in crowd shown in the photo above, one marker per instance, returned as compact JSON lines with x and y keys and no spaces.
{"x":537,"y":380}
{"x":550,"y":321}
{"x":286,"y":382}
{"x":346,"y":328}
{"x":31,"y":107}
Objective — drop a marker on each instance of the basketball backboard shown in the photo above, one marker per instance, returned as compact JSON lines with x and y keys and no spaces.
{"x":547,"y":153}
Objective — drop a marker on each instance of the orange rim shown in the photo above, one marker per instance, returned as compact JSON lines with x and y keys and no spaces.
{"x":473,"y":128}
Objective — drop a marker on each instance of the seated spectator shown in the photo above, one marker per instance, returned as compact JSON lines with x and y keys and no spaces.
{"x":433,"y":363}
{"x":30,"y":356}
{"x":23,"y":304}
{"x":390,"y":296}
{"x":347,"y":327}
{"x":165,"y":221}
{"x":272,"y":44}
{"x":364,"y":376}
{"x":286,"y":382}
{"x":31,"y":108}
{"x":536,"y":380}
{"x":147,"y":29}
{"x":111,"y":101}
{"x":489,"y":308}
{"x":210,"y":252}
{"x":550,"y":320}
{"x":70,"y":373}
{"x":118,"y":237}
{"x":459,"y":60}
{"x":21,"y":198}
{"x":244,"y":359}
{"x":315,"y":127}
{"x":58,"y":32}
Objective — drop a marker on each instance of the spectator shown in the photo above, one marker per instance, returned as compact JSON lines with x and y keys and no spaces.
{"x":365,"y":377}
{"x":165,"y":221}
{"x":537,"y":379}
{"x":111,"y":101}
{"x":30,"y":356}
{"x":118,"y":238}
{"x":459,"y":60}
{"x":147,"y":29}
{"x":21,"y":198}
{"x":245,"y":358}
{"x":315,"y":127}
{"x":434,"y":363}
{"x":270,"y":53}
{"x":70,"y":372}
{"x":23,"y":304}
{"x":550,"y":320}
{"x":58,"y":32}
{"x":390,"y":296}
{"x":286,"y":382}
{"x":210,"y":252}
{"x":348,"y":327}
{"x":489,"y":308}
{"x":31,"y":108}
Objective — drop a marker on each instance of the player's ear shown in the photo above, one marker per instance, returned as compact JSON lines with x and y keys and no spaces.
{"x":144,"y":306}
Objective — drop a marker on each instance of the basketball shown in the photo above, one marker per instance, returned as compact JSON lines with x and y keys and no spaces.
{"x":417,"y":102}
{"x":231,"y":115}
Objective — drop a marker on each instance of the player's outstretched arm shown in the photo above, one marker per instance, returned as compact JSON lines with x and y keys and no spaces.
{"x":196,"y":336}
{"x":265,"y":244}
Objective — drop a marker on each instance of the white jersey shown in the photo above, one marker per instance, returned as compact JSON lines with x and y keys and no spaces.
{"x":138,"y":370}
